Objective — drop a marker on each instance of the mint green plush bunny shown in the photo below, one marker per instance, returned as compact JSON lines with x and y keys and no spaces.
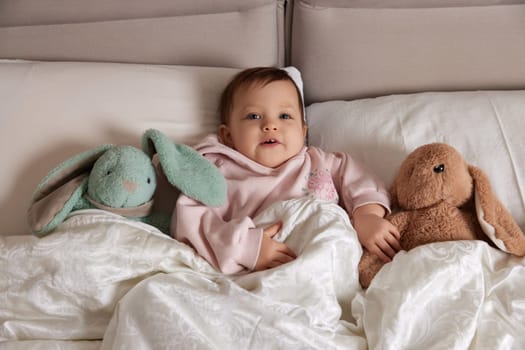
{"x":123,"y":179}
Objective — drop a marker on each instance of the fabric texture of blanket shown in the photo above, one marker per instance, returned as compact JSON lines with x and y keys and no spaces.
{"x":101,"y":281}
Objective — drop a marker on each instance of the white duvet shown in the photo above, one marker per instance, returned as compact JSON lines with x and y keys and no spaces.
{"x":101,"y":281}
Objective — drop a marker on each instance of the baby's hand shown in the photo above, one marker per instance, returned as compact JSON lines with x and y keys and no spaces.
{"x":272,"y":253}
{"x":378,"y":235}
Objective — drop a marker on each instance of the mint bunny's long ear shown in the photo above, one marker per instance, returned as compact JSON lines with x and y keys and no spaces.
{"x":60,"y":191}
{"x":186,"y":169}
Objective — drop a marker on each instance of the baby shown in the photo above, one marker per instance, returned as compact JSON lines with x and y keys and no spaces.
{"x":260,"y":149}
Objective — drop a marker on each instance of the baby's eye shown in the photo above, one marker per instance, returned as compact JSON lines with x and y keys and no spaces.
{"x":285,"y":116}
{"x":253,"y":116}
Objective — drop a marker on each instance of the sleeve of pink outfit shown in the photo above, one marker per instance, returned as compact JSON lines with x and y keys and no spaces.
{"x":356,"y":184}
{"x":231,"y":246}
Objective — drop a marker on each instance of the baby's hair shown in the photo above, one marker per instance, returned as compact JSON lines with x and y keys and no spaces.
{"x":248,"y":77}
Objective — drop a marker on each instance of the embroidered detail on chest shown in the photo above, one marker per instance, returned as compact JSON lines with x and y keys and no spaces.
{"x":319,"y":185}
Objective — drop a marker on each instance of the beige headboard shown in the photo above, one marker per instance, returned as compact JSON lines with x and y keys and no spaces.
{"x":226,"y":33}
{"x":348,"y":49}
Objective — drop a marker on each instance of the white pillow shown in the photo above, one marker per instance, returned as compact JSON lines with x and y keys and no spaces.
{"x":486,"y":126}
{"x":50,"y":111}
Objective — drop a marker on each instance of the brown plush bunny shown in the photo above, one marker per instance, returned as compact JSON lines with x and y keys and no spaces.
{"x":440,"y":197}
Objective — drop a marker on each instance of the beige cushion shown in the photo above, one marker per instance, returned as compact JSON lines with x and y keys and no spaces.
{"x":225,"y":33}
{"x":52,"y":111}
{"x":485,"y":126}
{"x":352,"y":49}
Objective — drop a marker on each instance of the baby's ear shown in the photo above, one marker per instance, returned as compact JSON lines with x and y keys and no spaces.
{"x":225,"y":135}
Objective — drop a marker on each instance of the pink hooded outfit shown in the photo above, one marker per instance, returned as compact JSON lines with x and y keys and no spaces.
{"x":227,"y":237}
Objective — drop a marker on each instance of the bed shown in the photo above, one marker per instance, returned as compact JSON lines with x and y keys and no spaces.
{"x":380,"y":79}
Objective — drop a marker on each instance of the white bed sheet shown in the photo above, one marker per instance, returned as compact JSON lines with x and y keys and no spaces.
{"x":104,"y":281}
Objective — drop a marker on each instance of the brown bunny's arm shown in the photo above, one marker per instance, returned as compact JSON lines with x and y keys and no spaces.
{"x":368,"y":267}
{"x":399,"y":220}
{"x":370,"y":264}
{"x":495,"y":220}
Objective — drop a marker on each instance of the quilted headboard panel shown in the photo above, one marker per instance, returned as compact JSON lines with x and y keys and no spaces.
{"x":225,"y":33}
{"x":356,"y":48}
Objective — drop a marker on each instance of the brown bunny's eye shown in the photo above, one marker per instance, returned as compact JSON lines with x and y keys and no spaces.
{"x":439,"y":168}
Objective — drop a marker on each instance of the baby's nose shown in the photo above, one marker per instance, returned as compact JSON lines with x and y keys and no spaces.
{"x":269,"y":126}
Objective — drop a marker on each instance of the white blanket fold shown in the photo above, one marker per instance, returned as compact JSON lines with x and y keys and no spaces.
{"x":65,"y":286}
{"x":295,"y":306}
{"x":104,"y":281}
{"x":449,"y":295}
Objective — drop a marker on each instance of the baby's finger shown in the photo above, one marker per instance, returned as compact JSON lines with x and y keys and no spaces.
{"x":379,"y":253}
{"x":387,"y":250}
{"x":284,"y":258}
{"x":393,"y":242}
{"x":279,"y":260}
{"x":287,"y":251}
{"x":394,"y":231}
{"x":272,"y":264}
{"x":272,"y":230}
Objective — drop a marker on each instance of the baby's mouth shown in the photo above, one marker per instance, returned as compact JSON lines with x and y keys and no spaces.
{"x":270,"y":141}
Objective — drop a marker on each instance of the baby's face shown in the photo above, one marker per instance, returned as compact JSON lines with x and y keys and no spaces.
{"x":266,"y":123}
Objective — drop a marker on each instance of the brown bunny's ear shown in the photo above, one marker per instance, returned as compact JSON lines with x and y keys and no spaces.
{"x":495,"y":220}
